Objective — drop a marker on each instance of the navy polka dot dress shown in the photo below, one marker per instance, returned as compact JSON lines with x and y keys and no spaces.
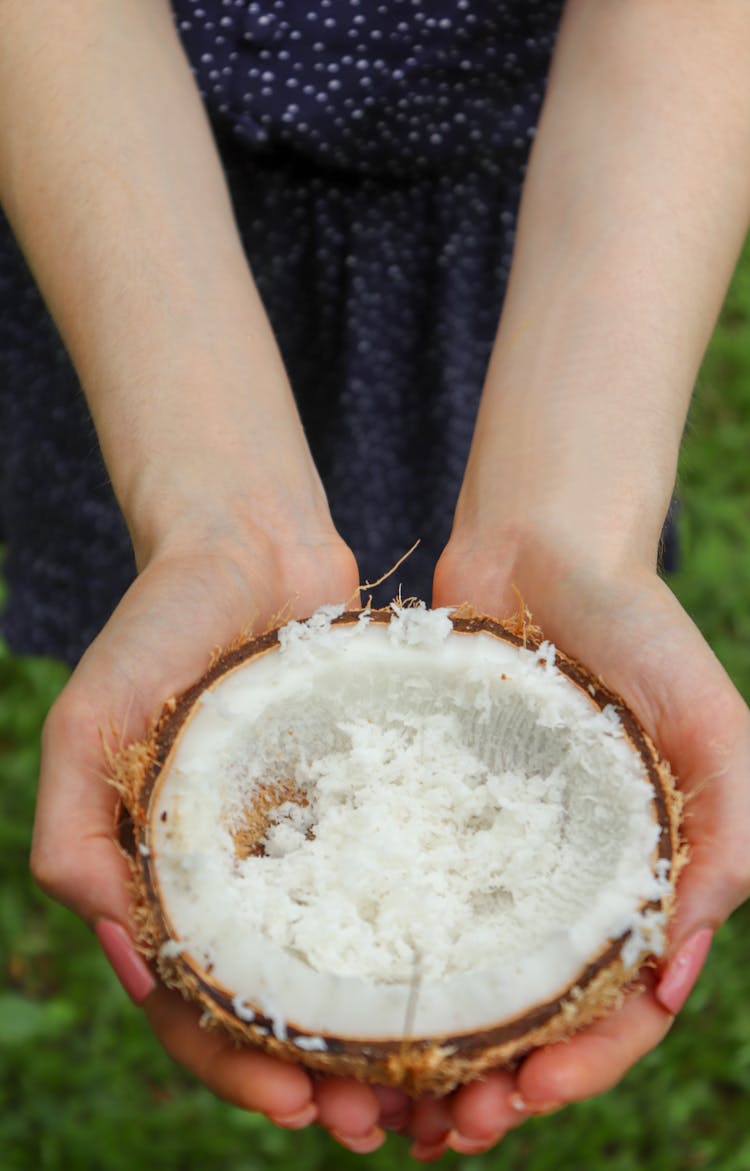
{"x":375,"y":151}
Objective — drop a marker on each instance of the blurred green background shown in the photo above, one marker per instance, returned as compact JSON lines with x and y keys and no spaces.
{"x":83,"y":1084}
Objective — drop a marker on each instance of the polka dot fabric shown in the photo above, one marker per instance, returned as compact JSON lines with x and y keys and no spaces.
{"x":375,"y":154}
{"x":390,"y":88}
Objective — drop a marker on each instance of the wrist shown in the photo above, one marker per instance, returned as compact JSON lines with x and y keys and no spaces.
{"x":276,"y":530}
{"x":207,"y":439}
{"x":207,"y":503}
{"x":259,"y":564}
{"x":573,"y":513}
{"x":497,"y":564}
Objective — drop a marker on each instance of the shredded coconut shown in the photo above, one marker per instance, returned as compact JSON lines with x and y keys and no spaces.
{"x":453,"y":798}
{"x":546,"y":656}
{"x":310,"y":1044}
{"x":242,"y":1011}
{"x":171,"y":948}
{"x":278,"y":1024}
{"x":647,"y":935}
{"x":294,"y":637}
{"x":417,"y":626}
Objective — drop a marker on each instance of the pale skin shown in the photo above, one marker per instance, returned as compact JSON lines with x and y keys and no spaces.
{"x":635,"y":206}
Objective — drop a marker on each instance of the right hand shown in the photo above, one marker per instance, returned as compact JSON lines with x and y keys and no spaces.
{"x":625,"y":624}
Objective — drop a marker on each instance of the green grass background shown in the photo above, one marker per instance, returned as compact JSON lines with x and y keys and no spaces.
{"x":83,"y":1084}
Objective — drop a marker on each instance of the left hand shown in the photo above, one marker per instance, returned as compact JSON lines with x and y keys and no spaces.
{"x":628,"y":627}
{"x":159,"y":639}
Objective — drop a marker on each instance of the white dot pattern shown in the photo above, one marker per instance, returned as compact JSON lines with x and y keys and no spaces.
{"x":389,"y":87}
{"x":375,"y":152}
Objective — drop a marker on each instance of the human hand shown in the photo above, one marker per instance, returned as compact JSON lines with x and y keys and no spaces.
{"x":624,"y":623}
{"x":183,"y":605}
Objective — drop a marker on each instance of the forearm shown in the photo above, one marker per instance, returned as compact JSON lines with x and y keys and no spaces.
{"x":635,"y":206}
{"x":111,"y":180}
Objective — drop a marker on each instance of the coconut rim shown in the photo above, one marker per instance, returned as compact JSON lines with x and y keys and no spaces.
{"x":395,"y":1058}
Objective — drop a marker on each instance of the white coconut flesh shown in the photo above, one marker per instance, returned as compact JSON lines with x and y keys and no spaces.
{"x":468,"y":830}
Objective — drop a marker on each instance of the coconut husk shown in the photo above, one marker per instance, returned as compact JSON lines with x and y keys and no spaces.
{"x":419,"y":1065}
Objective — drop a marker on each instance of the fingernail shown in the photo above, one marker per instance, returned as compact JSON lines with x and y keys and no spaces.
{"x":296,"y":1121}
{"x":362,"y":1144}
{"x":130,"y":968}
{"x":428,"y":1152}
{"x":472,"y":1146}
{"x":523,"y":1107}
{"x":679,"y":979}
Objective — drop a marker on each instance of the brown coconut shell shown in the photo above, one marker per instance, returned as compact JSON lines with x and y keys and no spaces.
{"x":433,"y":1064}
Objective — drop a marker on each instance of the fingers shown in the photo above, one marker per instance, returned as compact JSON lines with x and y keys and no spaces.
{"x":681,"y":974}
{"x":243,"y":1077}
{"x":74,"y":857}
{"x":483,"y":1112}
{"x":141,"y":658}
{"x":75,"y":860}
{"x":716,"y":822}
{"x":706,"y":894}
{"x":350,"y":1111}
{"x":395,"y":1108}
{"x":130,"y":968}
{"x":708,"y":742}
{"x":431,"y":1126}
{"x":594,"y":1060}
{"x":635,"y":634}
{"x":159,"y":639}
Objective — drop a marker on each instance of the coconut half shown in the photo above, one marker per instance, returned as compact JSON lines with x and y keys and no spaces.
{"x":401,"y":845}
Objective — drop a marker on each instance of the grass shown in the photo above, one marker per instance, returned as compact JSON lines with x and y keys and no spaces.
{"x":83,"y":1084}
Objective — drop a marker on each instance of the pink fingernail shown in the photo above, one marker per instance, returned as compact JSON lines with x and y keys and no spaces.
{"x":472,"y":1146}
{"x":365,"y":1144}
{"x":296,"y":1121}
{"x":130,"y":968}
{"x":679,"y":979}
{"x":523,"y":1107}
{"x":427,"y":1152}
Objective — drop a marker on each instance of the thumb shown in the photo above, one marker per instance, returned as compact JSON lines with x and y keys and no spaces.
{"x":141,"y":656}
{"x":74,"y":856}
{"x":716,"y":823}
